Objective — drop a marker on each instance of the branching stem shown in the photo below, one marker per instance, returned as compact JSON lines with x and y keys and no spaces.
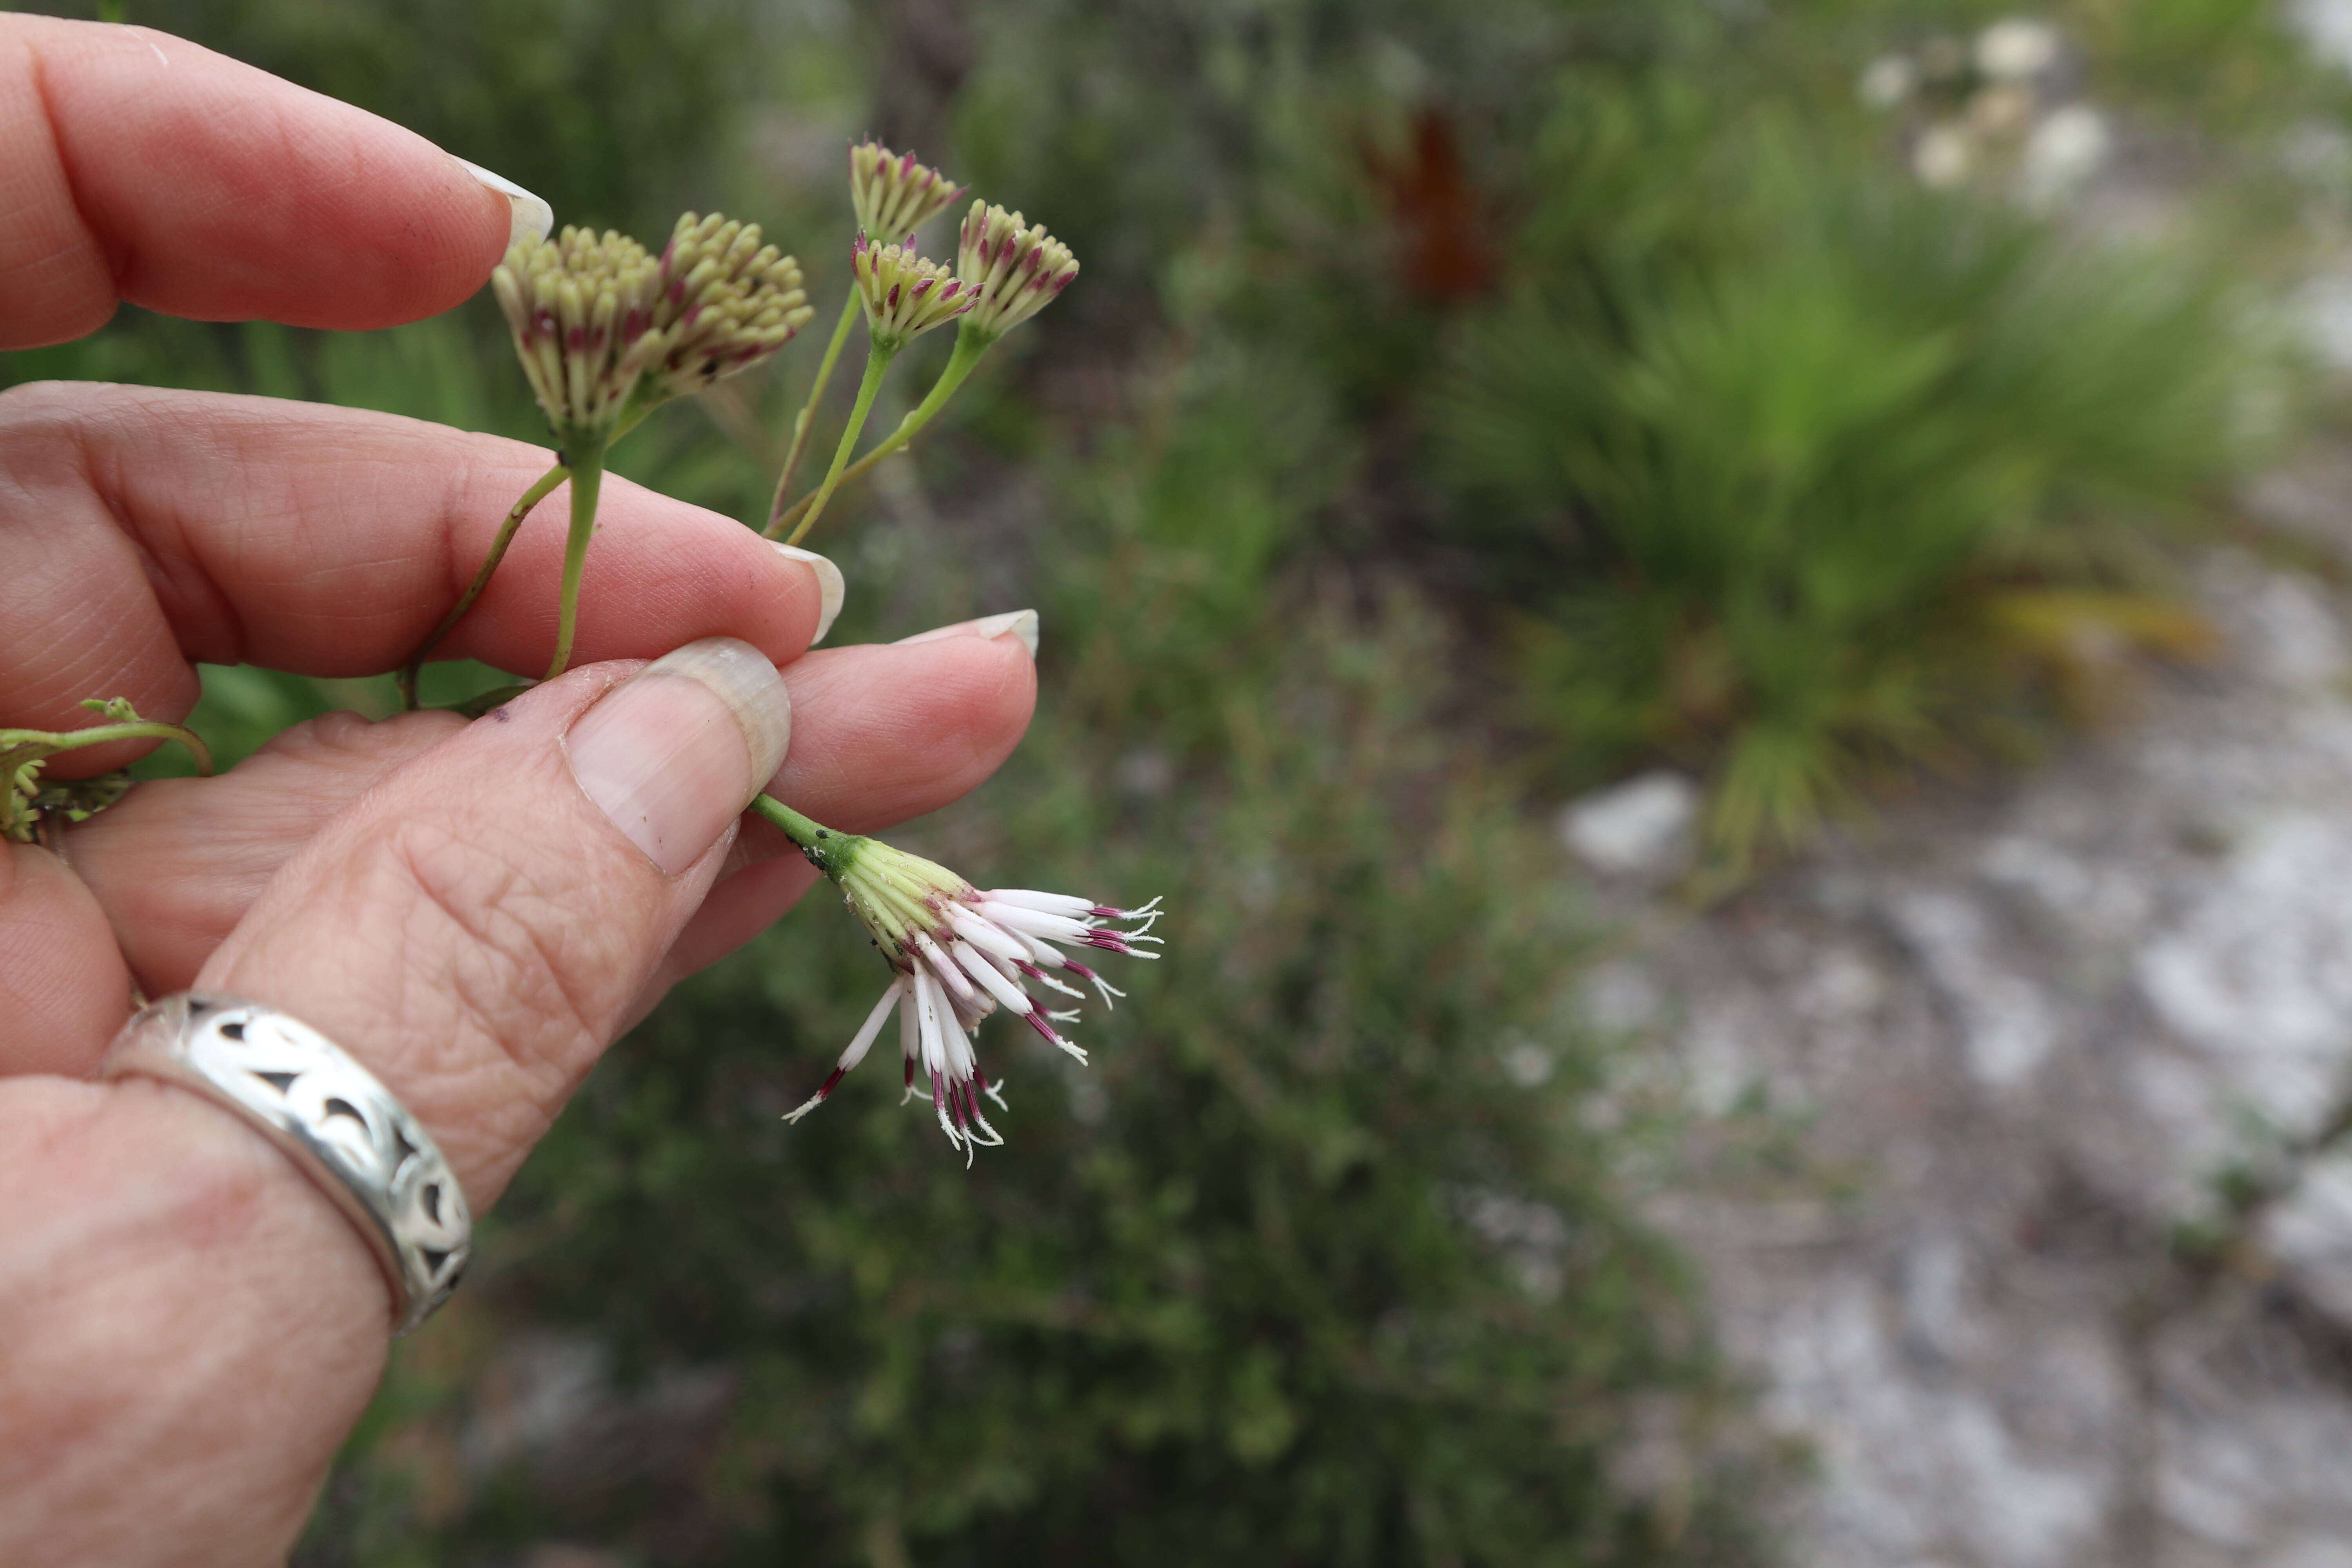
{"x":968,"y":347}
{"x":540,"y":490}
{"x":878,"y":360}
{"x":808,"y":414}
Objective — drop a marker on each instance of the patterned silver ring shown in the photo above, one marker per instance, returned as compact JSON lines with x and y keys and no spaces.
{"x":332,"y":1117}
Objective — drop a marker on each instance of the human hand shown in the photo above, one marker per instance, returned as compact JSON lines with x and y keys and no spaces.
{"x":187,"y":1328}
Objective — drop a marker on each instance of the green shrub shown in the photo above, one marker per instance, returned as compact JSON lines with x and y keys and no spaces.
{"x":1769,"y":434}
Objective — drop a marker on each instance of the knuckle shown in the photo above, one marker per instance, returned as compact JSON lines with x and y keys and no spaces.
{"x":508,"y":949}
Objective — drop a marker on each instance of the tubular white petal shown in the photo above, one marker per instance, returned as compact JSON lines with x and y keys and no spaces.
{"x":911,"y":1037}
{"x":873,"y":1025}
{"x":930,"y":1001}
{"x":943,"y":968}
{"x":984,"y":935}
{"x":1051,"y":903}
{"x":1043,"y":952}
{"x":1036,"y":923}
{"x":976,"y":964}
{"x":958,"y":1044}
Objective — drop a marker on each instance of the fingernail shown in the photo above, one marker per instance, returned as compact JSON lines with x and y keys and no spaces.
{"x":1022,"y":624}
{"x":532,"y":217}
{"x":831,"y":589}
{"x":677,"y":751}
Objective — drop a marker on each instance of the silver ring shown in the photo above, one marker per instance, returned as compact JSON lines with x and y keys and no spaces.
{"x":331,"y":1118}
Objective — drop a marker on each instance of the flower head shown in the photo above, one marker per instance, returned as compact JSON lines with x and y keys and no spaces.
{"x":727,"y":302}
{"x":1016,"y":271}
{"x":604,"y":330}
{"x":905,"y":296}
{"x":959,"y":955}
{"x":894,"y":195}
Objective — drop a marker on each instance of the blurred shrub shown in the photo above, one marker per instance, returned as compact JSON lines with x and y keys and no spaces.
{"x":1764,"y":435}
{"x":1316,"y":1263}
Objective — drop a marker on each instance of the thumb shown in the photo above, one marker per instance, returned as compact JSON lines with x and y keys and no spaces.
{"x":474,"y":928}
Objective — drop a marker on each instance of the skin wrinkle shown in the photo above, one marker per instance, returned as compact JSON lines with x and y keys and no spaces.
{"x":88,"y":238}
{"x":109,"y":482}
{"x":528,"y":1008}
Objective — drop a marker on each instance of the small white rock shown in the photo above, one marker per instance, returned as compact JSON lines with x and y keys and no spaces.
{"x":2311,"y":1234}
{"x":1641,"y":828}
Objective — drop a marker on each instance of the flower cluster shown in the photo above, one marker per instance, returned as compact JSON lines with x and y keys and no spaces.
{"x":905,"y":296}
{"x":961,"y":954}
{"x":727,"y":303}
{"x":894,"y":195}
{"x":1016,"y":271}
{"x":606,"y":330}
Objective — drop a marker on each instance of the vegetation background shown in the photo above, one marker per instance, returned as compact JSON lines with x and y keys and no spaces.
{"x":1462,"y":404}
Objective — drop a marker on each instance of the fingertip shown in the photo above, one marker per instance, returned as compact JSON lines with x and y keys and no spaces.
{"x":528,"y":215}
{"x":887,"y":732}
{"x":146,"y":168}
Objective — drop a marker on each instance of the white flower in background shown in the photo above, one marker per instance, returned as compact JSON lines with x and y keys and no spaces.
{"x":2017,"y":49}
{"x":2062,"y":156}
{"x":1887,"y":81}
{"x":1944,"y":155}
{"x":960,"y":953}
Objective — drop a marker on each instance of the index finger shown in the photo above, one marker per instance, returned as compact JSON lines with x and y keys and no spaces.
{"x":137,"y":166}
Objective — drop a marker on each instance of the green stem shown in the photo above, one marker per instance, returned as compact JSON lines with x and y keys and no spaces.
{"x":830,"y":852}
{"x":878,"y":360}
{"x":968,"y":347}
{"x":801,"y":830}
{"x":808,"y":414}
{"x":540,"y":490}
{"x":16,"y":746}
{"x":587,"y":465}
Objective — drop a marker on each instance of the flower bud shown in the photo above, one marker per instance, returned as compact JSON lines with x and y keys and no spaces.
{"x":727,"y":303}
{"x":894,"y":195}
{"x":1014,"y":271}
{"x":605,"y":331}
{"x":905,"y":296}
